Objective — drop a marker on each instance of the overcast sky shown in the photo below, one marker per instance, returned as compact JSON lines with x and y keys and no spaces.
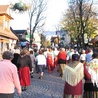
{"x":55,"y":11}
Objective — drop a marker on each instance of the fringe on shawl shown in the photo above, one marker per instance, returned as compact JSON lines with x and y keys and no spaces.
{"x":73,"y":75}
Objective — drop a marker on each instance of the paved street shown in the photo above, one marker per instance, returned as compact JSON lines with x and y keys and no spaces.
{"x":51,"y":86}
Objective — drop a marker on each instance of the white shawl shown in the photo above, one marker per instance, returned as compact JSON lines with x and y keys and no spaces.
{"x":73,"y":75}
{"x":93,"y":70}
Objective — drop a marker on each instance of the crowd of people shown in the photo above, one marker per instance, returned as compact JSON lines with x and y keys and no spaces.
{"x":79,"y":70}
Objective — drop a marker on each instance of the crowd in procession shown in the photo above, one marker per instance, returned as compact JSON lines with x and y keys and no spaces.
{"x":79,"y":70}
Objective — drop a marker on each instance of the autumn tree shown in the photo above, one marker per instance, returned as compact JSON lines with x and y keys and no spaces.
{"x":80,"y":19}
{"x":46,"y":43}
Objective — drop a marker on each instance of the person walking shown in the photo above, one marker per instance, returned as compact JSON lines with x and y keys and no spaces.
{"x":89,"y":55}
{"x":41,"y":63}
{"x":73,"y":75}
{"x":91,"y":87}
{"x":72,"y":51}
{"x":25,"y":69}
{"x":9,"y":79}
{"x":33,"y":62}
{"x":15,"y":59}
{"x":36,"y":54}
{"x":50,"y":60}
{"x":56,"y":52}
{"x":62,"y":60}
{"x":83,"y":57}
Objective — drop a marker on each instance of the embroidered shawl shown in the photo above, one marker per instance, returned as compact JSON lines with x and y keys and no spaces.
{"x":73,"y":75}
{"x":93,"y":70}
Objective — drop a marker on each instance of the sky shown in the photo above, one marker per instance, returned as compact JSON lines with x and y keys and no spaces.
{"x":55,"y":10}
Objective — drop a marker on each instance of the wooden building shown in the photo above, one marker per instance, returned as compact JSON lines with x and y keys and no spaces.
{"x":7,"y":37}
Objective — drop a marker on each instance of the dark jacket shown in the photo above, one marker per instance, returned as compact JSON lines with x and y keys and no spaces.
{"x":25,"y":61}
{"x":15,"y":59}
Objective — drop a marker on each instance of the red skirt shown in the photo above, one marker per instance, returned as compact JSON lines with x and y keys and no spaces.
{"x":49,"y":60}
{"x":50,"y":64}
{"x":24,"y":76}
{"x":56,"y":61}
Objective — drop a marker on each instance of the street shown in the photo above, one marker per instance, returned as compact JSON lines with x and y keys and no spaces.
{"x":51,"y":86}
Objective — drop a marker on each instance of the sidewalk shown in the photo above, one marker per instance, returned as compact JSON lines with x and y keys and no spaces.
{"x":51,"y":86}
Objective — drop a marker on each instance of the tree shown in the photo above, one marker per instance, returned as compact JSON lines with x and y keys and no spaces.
{"x":43,"y":38}
{"x":46,"y":43}
{"x":36,"y":16}
{"x":36,"y":11}
{"x":78,"y":19}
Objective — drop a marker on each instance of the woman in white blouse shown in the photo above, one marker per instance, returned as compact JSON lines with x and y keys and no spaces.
{"x":41,"y":63}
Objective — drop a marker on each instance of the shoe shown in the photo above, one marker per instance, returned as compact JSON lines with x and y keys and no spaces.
{"x":40,"y":77}
{"x":60,"y":75}
{"x":32,"y":76}
{"x":24,"y":89}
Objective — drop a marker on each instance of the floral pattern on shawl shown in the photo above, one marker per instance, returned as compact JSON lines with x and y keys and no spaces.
{"x":93,"y":70}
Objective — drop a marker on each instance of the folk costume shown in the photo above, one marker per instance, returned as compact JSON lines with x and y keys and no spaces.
{"x":50,"y":62}
{"x":55,"y":61}
{"x":56,"y":52}
{"x":24,"y":71}
{"x":62,"y":61}
{"x":73,"y":75}
{"x":91,"y":87}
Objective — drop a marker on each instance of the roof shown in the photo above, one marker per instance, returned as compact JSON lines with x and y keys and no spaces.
{"x":4,"y":9}
{"x":8,"y":33}
{"x":20,"y":31}
{"x":6,"y":15}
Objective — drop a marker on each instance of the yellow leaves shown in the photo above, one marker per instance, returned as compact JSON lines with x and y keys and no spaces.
{"x":46,"y":43}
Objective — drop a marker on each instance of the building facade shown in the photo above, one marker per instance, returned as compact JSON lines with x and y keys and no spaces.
{"x":7,"y":37}
{"x":64,"y":38}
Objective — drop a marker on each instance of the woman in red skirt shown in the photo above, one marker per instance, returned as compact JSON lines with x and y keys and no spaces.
{"x":25,"y":68}
{"x":50,"y":63}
